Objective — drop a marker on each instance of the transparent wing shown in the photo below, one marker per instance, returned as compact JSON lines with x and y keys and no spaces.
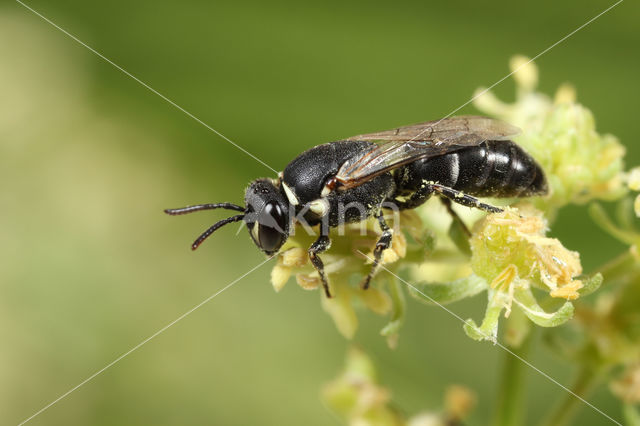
{"x":403,"y":145}
{"x":459,"y":130}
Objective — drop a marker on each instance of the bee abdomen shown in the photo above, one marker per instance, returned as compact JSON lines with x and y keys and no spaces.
{"x":492,"y":169}
{"x":498,"y":169}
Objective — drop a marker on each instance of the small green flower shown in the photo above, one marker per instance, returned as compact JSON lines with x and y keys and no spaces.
{"x":512,"y":254}
{"x":511,"y":251}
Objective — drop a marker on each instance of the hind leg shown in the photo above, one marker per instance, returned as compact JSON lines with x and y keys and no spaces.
{"x":416,"y":199}
{"x":456,"y":218}
{"x":461,"y":198}
{"x":448,"y":195}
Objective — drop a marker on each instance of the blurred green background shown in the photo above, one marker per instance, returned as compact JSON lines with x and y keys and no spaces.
{"x":90,"y":267}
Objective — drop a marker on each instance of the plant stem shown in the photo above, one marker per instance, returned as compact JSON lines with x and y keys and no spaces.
{"x":510,"y":402}
{"x":563,"y":413}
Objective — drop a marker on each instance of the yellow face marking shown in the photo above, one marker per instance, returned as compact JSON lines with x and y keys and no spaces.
{"x":254,"y":233}
{"x":319,"y":206}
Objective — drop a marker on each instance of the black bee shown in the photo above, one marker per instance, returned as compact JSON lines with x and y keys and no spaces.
{"x":456,"y":158}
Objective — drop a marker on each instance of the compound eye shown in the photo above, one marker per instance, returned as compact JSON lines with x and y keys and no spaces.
{"x":272,"y":224}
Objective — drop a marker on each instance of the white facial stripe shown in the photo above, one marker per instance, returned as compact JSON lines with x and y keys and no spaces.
{"x":293,"y":200}
{"x":325,"y":191}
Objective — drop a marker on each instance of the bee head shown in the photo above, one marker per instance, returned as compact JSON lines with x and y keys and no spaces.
{"x":267,"y":215}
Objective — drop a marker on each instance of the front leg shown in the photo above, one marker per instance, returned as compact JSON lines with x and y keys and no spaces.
{"x":320,"y":245}
{"x":384,"y":242}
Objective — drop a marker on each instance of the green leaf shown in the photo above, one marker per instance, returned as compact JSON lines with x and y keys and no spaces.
{"x":462,"y":288}
{"x":590,"y":284}
{"x":527,"y":302}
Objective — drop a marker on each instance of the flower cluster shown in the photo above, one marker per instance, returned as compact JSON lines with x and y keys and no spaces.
{"x":511,"y":252}
{"x":509,"y":248}
{"x":348,"y":260}
{"x":581,"y":165}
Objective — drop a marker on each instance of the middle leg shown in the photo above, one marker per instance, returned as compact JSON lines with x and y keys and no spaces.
{"x":384,"y":242}
{"x":320,"y":245}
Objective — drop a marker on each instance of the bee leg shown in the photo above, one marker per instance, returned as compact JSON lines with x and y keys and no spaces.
{"x":416,"y":199}
{"x":384,"y":242}
{"x":320,"y":245}
{"x":464,"y":199}
{"x":455,"y":216}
